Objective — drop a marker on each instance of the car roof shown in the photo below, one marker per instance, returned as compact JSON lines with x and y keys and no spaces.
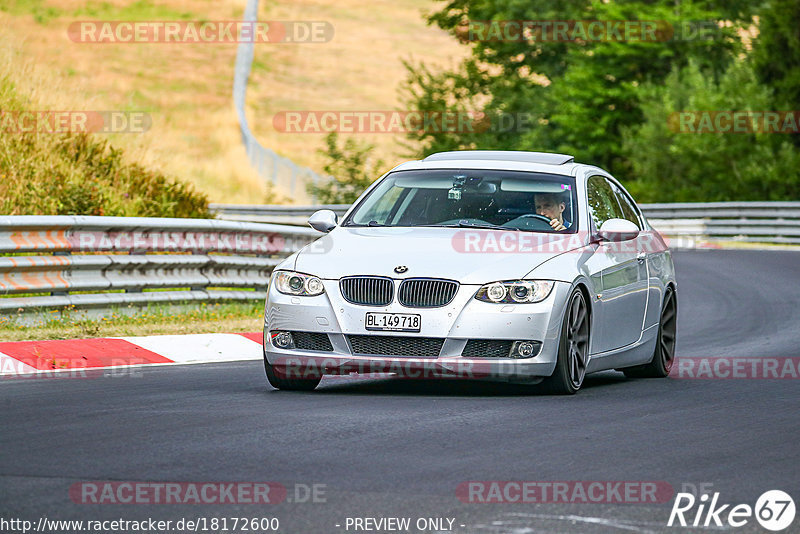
{"x":511,"y":160}
{"x":503,"y":155}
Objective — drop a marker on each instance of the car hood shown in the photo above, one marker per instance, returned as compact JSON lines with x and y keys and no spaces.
{"x":470,"y":256}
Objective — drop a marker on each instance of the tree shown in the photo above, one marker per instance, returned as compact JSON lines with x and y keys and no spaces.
{"x":581,"y":93}
{"x":351,"y":168}
{"x":776,"y":52}
{"x":673,"y":165}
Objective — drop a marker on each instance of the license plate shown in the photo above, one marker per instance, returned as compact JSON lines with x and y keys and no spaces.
{"x":395,"y":322}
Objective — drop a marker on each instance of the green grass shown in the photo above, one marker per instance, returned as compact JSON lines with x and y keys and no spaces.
{"x":43,"y":12}
{"x":70,"y":323}
{"x":139,"y":10}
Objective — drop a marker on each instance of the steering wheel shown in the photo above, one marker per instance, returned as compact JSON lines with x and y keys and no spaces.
{"x":531,"y":221}
{"x":535,"y":216}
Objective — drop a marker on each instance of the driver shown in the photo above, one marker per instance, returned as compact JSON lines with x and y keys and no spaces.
{"x":551,"y":205}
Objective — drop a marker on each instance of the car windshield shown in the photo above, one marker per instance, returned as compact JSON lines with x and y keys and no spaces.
{"x":503,"y":200}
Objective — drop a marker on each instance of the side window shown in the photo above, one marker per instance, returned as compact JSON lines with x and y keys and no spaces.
{"x":602,"y":201}
{"x":628,"y":209}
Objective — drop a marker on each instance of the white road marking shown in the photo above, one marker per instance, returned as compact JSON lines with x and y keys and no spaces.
{"x":200,"y":347}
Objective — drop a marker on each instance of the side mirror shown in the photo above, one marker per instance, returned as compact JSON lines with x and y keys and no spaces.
{"x":618,"y":230}
{"x":323,"y":221}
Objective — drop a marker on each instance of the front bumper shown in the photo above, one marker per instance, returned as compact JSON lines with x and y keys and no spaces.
{"x":463,"y":319}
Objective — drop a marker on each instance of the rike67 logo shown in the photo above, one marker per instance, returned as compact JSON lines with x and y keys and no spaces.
{"x":774,"y":511}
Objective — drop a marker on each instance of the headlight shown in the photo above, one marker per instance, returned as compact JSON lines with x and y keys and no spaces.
{"x":291,"y":283}
{"x":515,"y":291}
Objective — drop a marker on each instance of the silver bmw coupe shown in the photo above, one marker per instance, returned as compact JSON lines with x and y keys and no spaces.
{"x":522,"y":267}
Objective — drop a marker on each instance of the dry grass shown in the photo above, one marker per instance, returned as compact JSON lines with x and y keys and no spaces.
{"x":187,"y":88}
{"x":360,"y":69}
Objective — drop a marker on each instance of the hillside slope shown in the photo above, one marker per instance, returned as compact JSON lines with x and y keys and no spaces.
{"x":186,"y":88}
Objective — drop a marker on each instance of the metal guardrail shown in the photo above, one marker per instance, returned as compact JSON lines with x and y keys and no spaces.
{"x":116,"y":261}
{"x":118,"y":258}
{"x":761,"y":222}
{"x":276,"y":214}
{"x":270,"y":166}
{"x":764,"y":222}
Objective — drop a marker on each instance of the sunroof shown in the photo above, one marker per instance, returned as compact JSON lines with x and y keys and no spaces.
{"x":503,"y":155}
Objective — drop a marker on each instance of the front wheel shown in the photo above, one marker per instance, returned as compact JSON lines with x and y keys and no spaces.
{"x":290,"y":384}
{"x":277,"y":377}
{"x":573,"y":349}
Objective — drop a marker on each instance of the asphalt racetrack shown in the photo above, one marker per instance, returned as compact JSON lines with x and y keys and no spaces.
{"x":383,"y":448}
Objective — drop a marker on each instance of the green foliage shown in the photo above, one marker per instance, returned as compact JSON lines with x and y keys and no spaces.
{"x":776,"y":51}
{"x":607,"y":102}
{"x":671,"y":166}
{"x":136,"y":10}
{"x":598,"y":94}
{"x":351,"y":169}
{"x":466,"y":91}
{"x":43,"y":12}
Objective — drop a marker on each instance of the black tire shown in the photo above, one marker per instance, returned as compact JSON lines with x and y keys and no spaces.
{"x":288,"y":384}
{"x":664,"y":354}
{"x":573,"y":349}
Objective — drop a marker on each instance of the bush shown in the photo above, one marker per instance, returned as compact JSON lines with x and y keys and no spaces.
{"x":79,"y":174}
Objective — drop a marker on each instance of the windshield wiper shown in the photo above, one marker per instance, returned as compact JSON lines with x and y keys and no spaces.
{"x":467,"y":224}
{"x":371,"y":224}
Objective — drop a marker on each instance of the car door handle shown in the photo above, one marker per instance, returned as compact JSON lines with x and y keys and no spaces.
{"x":641,"y":257}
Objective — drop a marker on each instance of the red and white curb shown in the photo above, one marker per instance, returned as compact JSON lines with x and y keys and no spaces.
{"x":35,"y":358}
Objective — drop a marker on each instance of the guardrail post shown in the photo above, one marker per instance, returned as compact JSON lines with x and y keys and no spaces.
{"x":197,"y":288}
{"x":61,"y":293}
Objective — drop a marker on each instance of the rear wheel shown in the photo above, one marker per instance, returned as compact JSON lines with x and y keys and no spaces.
{"x":573,"y":349}
{"x":664,"y":355}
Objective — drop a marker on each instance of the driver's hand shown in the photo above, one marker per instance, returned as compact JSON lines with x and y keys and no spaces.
{"x":557,"y":226}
